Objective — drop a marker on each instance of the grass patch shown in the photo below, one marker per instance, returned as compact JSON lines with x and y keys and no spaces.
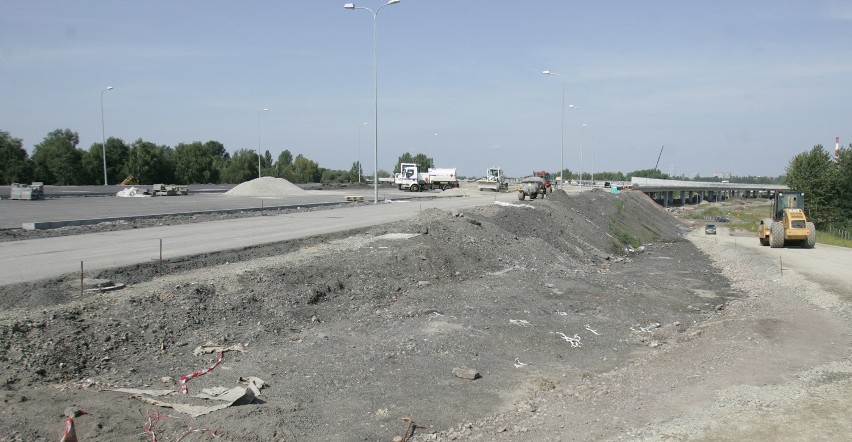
{"x":833,"y":240}
{"x":743,"y":213}
{"x":625,"y":237}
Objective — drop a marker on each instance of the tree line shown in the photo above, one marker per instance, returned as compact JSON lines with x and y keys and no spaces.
{"x":58,"y":161}
{"x":826,"y":183}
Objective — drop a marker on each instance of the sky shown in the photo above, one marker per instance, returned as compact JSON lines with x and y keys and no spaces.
{"x":725,"y":86}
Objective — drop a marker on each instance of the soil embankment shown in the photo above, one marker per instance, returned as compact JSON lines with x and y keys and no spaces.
{"x":353,"y":333}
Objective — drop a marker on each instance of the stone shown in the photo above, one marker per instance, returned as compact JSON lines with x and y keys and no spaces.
{"x":466,"y":373}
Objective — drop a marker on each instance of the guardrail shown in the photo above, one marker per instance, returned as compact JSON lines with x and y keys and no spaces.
{"x":839,"y":233}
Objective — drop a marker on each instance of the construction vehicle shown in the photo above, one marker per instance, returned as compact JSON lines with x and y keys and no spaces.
{"x":532,"y":186}
{"x":410,"y":178}
{"x":547,"y":177}
{"x":494,"y":180}
{"x":129,"y":181}
{"x":788,"y":225}
{"x":34,"y":191}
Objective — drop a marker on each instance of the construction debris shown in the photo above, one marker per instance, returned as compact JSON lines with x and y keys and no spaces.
{"x":228,"y":397}
{"x":133,"y":192}
{"x":34,"y":191}
{"x":169,"y":190}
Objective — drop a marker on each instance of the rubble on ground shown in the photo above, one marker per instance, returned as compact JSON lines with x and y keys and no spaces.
{"x":354,"y":332}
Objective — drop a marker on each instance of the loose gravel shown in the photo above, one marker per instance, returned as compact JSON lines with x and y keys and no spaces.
{"x":534,"y":321}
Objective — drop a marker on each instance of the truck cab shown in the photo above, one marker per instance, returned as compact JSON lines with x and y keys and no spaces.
{"x":410,"y":178}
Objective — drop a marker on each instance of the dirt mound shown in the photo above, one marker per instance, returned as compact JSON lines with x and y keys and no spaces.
{"x":266,"y":186}
{"x":355,"y":331}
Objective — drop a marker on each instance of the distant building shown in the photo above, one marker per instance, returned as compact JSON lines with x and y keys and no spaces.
{"x":722,"y":175}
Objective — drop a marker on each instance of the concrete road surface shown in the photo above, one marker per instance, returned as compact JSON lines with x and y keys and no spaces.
{"x":30,"y":260}
{"x":14,"y":213}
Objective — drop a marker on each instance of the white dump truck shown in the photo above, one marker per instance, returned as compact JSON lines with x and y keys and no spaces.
{"x":410,"y":178}
{"x":494,"y":180}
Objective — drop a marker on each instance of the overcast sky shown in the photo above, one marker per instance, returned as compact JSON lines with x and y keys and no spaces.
{"x":733,"y":86}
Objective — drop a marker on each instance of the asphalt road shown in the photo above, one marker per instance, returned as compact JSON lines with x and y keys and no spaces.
{"x":93,"y":202}
{"x":30,"y":260}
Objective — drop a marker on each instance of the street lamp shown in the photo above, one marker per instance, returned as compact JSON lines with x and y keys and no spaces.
{"x":582,"y":141}
{"x":376,"y":93}
{"x":561,"y":131}
{"x":593,"y":154}
{"x":359,"y":151}
{"x":258,"y":139}
{"x":103,"y":132}
{"x":582,"y":117}
{"x":432,"y":147}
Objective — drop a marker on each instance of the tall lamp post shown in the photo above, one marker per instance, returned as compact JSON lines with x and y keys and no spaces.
{"x":432,"y":148}
{"x":580,"y":181}
{"x":258,"y":139}
{"x":103,"y":132}
{"x":593,"y":154}
{"x":582,"y":141}
{"x":376,"y":93}
{"x":361,"y":126}
{"x":561,"y":131}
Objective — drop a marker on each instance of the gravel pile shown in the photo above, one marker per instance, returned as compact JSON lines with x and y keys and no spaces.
{"x":266,"y":187}
{"x":354,"y":332}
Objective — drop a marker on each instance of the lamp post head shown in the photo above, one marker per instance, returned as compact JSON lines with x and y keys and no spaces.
{"x":265,"y":110}
{"x":571,"y":106}
{"x":545,"y":72}
{"x":349,"y":6}
{"x":393,"y":2}
{"x":109,"y":88}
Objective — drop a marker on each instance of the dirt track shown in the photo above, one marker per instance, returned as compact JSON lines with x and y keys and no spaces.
{"x":572,"y":337}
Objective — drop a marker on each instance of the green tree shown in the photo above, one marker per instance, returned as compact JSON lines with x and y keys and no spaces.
{"x":241,"y":167}
{"x":197,"y":163}
{"x":356,"y":172}
{"x":330,"y":176}
{"x":813,"y":174}
{"x":844,"y":184}
{"x":609,"y":176}
{"x":423,"y":162}
{"x":220,"y":156}
{"x":15,"y":165}
{"x":647,"y":173}
{"x":283,"y":168}
{"x":56,"y":160}
{"x":116,"y":157}
{"x":266,"y":164}
{"x":304,"y":171}
{"x":149,"y":163}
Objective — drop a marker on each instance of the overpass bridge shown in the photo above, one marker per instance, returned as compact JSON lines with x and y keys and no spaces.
{"x":694,"y":192}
